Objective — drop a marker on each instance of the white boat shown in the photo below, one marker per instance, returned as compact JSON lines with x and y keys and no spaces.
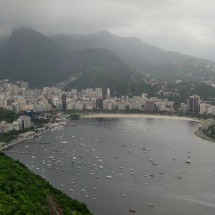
{"x":64,"y":142}
{"x":109,"y":177}
{"x":150,"y":205}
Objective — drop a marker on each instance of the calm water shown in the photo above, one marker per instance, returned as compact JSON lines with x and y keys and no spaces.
{"x":145,"y":158}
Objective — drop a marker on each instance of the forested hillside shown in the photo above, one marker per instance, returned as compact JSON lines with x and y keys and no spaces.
{"x":22,"y":192}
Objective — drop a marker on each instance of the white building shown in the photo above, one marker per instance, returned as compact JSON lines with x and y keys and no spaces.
{"x":25,"y":121}
{"x":98,"y":92}
{"x":122,"y":106}
{"x":202,"y":108}
{"x":107,"y":105}
{"x":70,"y":105}
{"x":79,"y":106}
{"x":210,"y":109}
{"x":183,"y":107}
{"x":135,"y":105}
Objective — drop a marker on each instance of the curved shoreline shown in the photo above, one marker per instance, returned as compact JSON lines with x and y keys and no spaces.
{"x":143,"y":116}
{"x":200,"y":134}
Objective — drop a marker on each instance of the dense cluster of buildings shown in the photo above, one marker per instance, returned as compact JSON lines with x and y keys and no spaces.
{"x":194,"y":105}
{"x":18,"y":97}
{"x":19,"y":124}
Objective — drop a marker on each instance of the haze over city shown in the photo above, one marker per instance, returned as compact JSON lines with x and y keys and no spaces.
{"x":183,"y":26}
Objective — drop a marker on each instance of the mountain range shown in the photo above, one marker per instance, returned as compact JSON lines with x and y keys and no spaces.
{"x":143,"y":58}
{"x":96,"y":60}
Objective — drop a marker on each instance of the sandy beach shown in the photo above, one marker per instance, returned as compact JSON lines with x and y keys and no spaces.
{"x":146,"y":116}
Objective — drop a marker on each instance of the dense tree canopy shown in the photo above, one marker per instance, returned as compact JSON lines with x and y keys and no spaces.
{"x":22,"y":192}
{"x":7,"y":115}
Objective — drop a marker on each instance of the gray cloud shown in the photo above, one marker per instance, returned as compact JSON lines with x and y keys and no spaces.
{"x":185,"y":26}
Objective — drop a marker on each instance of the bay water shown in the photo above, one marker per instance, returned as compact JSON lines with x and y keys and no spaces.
{"x":121,"y":166}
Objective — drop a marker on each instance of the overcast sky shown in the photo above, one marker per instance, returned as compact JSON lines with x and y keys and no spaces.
{"x":187,"y":26}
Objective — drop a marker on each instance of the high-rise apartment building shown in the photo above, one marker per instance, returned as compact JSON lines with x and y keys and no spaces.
{"x":99,"y":103}
{"x":64,"y":102}
{"x":108,"y":93}
{"x":193,"y":104}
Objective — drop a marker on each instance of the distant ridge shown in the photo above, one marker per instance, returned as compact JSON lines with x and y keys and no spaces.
{"x":101,"y":68}
{"x":28,"y":55}
{"x":97,"y":60}
{"x":142,"y":57}
{"x":31,"y":56}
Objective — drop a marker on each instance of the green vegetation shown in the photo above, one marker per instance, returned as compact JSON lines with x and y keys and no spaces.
{"x":38,"y":122}
{"x":22,"y":192}
{"x":109,"y":63}
{"x":142,"y":57}
{"x":7,"y":115}
{"x":137,"y":88}
{"x":106,"y":55}
{"x":56,"y":63}
{"x":40,"y":53}
{"x":209,"y":131}
{"x":98,"y":68}
{"x":74,"y":116}
{"x":181,"y":92}
{"x":11,"y":135}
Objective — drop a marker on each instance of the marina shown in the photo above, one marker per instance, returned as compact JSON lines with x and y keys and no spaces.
{"x":123,"y":166}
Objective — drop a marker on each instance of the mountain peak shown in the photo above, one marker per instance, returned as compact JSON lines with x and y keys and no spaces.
{"x":22,"y":28}
{"x":25,"y":40}
{"x":104,"y":32}
{"x":26,"y":33}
